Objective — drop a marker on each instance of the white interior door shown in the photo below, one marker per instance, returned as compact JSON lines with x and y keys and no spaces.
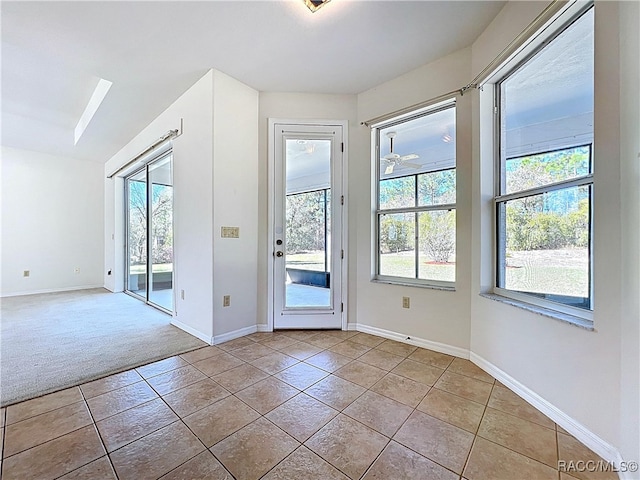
{"x":307,"y":240}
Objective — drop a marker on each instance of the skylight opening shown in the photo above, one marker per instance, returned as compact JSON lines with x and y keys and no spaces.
{"x":90,"y":110}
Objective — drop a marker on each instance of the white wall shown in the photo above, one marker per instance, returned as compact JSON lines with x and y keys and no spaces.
{"x":298,"y":106}
{"x":630,"y":176}
{"x":235,"y":203}
{"x":575,"y":370}
{"x":193,"y":205}
{"x":52,"y":222}
{"x":215,"y":183}
{"x":435,"y":315}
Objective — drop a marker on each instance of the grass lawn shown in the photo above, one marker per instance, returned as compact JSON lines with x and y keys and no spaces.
{"x":402,"y":265}
{"x":562,"y":271}
{"x":308,"y":261}
{"x":157,"y":268}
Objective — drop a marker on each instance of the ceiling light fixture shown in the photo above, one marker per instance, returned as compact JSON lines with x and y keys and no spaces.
{"x":315,"y":4}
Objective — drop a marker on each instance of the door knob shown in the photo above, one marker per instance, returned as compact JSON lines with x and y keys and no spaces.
{"x":279,"y":253}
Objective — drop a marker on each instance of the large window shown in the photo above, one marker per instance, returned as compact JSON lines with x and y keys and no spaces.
{"x":416,"y":198}
{"x":545,"y":161}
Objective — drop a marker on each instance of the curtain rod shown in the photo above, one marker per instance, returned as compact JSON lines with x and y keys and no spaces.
{"x":523,"y":38}
{"x":555,"y":7}
{"x":169,"y":135}
{"x":411,"y":108}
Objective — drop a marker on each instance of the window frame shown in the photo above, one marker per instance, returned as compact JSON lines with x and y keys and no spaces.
{"x":500,"y":159}
{"x":378,"y":212}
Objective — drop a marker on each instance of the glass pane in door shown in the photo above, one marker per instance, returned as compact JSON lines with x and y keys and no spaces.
{"x":308,"y":223}
{"x":137,"y":234}
{"x":161,"y":232}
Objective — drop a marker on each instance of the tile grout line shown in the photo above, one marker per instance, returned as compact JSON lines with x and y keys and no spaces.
{"x":330,"y":406}
{"x":416,"y":409}
{"x":95,"y":426}
{"x":36,"y":416}
{"x":300,"y":444}
{"x":521,"y":418}
{"x":294,"y":451}
{"x":108,"y":454}
{"x":42,"y":413}
{"x":199,"y":453}
{"x":557,"y":435}
{"x":335,"y":466}
{"x":515,"y":416}
{"x":4,"y":430}
{"x":390,"y":438}
{"x":301,"y":392}
{"x":475,"y":435}
{"x":415,"y":451}
{"x":394,"y":433}
{"x":180,"y":419}
{"x":126,"y":409}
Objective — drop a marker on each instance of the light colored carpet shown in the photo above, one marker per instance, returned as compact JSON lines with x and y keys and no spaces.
{"x":57,"y":340}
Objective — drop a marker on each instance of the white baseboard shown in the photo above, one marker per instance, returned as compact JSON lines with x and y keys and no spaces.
{"x":352,"y":327}
{"x":418,"y":342}
{"x":241,"y":332}
{"x":50,"y":290}
{"x":192,"y":331}
{"x":575,"y":428}
{"x":263,"y":327}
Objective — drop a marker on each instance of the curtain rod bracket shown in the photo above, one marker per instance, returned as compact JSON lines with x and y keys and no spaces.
{"x":171,"y":134}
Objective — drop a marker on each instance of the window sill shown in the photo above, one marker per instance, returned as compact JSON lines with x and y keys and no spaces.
{"x":446,"y":288}
{"x":546,"y":312}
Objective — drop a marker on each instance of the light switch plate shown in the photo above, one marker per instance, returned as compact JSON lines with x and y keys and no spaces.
{"x":230,"y":232}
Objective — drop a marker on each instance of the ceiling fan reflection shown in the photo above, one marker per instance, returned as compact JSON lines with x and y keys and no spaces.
{"x":392,"y":159}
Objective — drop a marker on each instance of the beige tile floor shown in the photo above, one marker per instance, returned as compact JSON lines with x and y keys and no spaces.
{"x":289,"y":405}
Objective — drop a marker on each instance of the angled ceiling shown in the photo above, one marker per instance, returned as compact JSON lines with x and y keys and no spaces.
{"x":54,"y":53}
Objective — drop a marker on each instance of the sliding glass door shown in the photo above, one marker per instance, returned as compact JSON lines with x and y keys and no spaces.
{"x":149,"y":205}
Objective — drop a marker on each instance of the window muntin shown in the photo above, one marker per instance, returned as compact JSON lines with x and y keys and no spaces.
{"x":538,"y":170}
{"x":415,"y":218}
{"x":437,"y":241}
{"x":437,"y":188}
{"x":544,"y":198}
{"x":397,"y":192}
{"x":397,"y":245}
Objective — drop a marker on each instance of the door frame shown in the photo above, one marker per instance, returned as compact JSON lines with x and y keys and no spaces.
{"x":144,"y":166}
{"x":271,"y":146}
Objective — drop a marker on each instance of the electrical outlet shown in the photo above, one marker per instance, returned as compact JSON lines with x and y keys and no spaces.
{"x":226,"y":301}
{"x":76,"y":270}
{"x":26,"y":273}
{"x":406,"y":302}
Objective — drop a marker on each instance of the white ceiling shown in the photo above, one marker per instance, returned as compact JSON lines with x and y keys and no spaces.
{"x":53,"y":54}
